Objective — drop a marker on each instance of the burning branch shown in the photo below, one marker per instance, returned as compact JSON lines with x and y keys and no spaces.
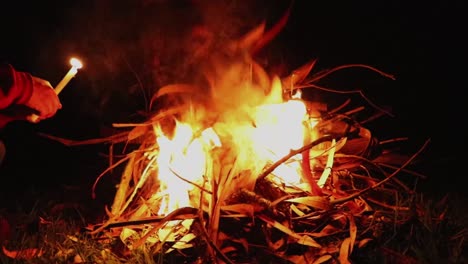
{"x":321,"y":140}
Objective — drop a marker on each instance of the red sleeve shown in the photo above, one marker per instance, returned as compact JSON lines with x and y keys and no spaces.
{"x":15,"y":86}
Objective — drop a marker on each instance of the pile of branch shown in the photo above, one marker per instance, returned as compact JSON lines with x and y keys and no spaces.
{"x":352,"y":196}
{"x":360,"y":202}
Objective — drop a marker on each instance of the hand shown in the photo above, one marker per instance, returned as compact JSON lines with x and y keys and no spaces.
{"x":43,"y":100}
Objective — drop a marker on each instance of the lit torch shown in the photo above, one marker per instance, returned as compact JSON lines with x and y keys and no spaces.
{"x":75,"y":65}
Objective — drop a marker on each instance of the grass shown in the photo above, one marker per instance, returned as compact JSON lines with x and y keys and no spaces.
{"x":436,"y":234}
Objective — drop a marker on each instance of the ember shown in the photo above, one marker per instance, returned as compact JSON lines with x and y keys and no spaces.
{"x":253,"y":172}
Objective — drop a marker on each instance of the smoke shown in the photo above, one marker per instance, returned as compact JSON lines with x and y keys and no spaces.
{"x":132,"y":48}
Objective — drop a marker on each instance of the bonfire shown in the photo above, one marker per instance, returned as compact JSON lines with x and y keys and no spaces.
{"x":242,"y":169}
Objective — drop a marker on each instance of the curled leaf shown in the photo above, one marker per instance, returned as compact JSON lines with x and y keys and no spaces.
{"x":317,"y":202}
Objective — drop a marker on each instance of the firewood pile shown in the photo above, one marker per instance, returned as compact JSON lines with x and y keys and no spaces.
{"x":248,"y":171}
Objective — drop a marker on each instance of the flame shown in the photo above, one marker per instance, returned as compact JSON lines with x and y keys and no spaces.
{"x":76,"y":63}
{"x":280,"y":129}
{"x":256,"y":135}
{"x":181,"y":163}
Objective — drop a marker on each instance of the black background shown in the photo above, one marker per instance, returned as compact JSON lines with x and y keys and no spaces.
{"x":420,"y":43}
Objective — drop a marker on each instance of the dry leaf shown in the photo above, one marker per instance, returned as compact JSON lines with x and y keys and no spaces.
{"x":244,"y":209}
{"x":175,"y":88}
{"x":297,"y":76}
{"x":301,"y":239}
{"x":326,"y":231}
{"x":364,"y":242}
{"x":318,"y":202}
{"x":352,"y":232}
{"x":137,"y":132}
{"x":26,"y":254}
{"x":322,"y":259}
{"x":345,"y":251}
{"x":78,"y":259}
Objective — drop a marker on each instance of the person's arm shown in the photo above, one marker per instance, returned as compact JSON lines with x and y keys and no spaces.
{"x":20,"y":90}
{"x":16,"y":87}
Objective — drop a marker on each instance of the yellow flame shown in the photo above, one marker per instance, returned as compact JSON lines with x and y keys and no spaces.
{"x":280,"y":129}
{"x":258,"y":133}
{"x":181,"y":164}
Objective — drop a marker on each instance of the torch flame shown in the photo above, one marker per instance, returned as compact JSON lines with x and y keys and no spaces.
{"x":76,"y":63}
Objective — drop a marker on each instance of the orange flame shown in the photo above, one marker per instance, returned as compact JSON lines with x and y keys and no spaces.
{"x":258,"y":135}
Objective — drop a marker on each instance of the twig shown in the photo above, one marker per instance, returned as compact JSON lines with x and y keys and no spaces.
{"x":371,"y":118}
{"x":340,"y":107}
{"x":169,"y":217}
{"x":352,"y":196}
{"x":355,"y":110}
{"x":393,"y":207}
{"x":213,"y":246}
{"x":120,"y":137}
{"x":360,"y":92}
{"x":382,"y":142}
{"x":300,"y":150}
{"x":190,"y":182}
{"x":140,"y":83}
{"x":422,"y":176}
{"x":320,"y":76}
{"x":121,"y":161}
{"x":148,"y":220}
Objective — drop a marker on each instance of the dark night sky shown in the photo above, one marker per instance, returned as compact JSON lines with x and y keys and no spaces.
{"x":421,"y":44}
